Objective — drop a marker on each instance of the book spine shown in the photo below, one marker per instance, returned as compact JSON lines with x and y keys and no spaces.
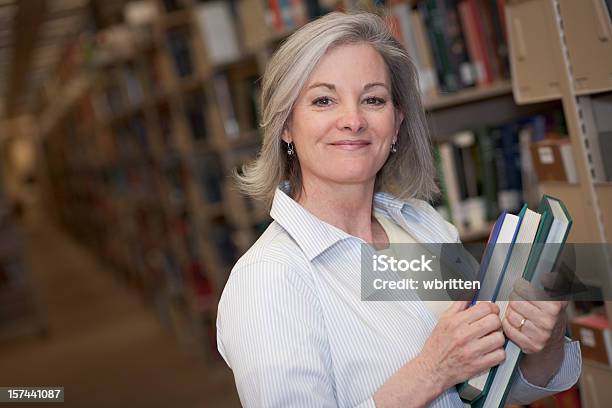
{"x":469,"y":28}
{"x":276,"y":16}
{"x":434,"y":24}
{"x":455,"y":43}
{"x":428,"y":76}
{"x":487,"y":171}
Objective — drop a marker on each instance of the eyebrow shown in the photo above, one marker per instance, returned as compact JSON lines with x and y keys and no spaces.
{"x":332,"y":87}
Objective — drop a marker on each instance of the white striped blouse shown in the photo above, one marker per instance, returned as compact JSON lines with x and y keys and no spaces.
{"x":293,"y":328}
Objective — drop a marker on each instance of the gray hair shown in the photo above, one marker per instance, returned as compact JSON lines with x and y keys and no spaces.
{"x":408,"y":173}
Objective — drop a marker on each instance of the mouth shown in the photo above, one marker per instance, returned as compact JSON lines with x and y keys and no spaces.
{"x":350,"y":144}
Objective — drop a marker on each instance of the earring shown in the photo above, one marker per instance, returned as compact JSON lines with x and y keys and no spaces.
{"x":394,"y":147}
{"x":290,"y":149}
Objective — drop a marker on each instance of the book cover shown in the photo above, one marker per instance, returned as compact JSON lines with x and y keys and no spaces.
{"x":551,"y":211}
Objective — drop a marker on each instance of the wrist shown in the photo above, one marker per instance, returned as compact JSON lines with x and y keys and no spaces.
{"x":413,"y":385}
{"x":432,"y":377}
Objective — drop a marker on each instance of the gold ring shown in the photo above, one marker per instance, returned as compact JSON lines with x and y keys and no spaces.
{"x":520,"y":326}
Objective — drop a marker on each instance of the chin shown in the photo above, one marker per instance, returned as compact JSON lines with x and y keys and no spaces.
{"x":351,"y":177}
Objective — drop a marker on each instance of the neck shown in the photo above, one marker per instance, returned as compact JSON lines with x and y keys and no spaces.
{"x":348,"y":207}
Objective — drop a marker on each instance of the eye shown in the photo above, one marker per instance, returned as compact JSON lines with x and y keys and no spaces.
{"x":322,"y":101}
{"x":374,"y":100}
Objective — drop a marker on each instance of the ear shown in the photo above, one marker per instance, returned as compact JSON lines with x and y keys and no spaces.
{"x":399,"y":118}
{"x":286,"y":135}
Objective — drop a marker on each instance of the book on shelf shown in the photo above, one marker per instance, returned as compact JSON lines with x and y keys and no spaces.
{"x":226,"y":106}
{"x":283,"y":16}
{"x":553,"y":160}
{"x":453,"y":44}
{"x":533,"y":252}
{"x":481,"y":174}
{"x":201,"y":284}
{"x":179,"y":44}
{"x":410,"y":31}
{"x":165,"y":127}
{"x":209,"y":176}
{"x":455,"y":71}
{"x":157,"y":72}
{"x":173,"y":5}
{"x":600,"y":141}
{"x":474,"y":19}
{"x":605,"y":144}
{"x":595,"y":335}
{"x":530,"y":132}
{"x":216,"y":23}
{"x":131,"y":81}
{"x":195,"y":106}
{"x":244,"y":85}
{"x":221,"y":235}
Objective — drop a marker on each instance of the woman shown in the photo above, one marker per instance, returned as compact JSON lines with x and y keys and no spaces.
{"x":345,"y":137}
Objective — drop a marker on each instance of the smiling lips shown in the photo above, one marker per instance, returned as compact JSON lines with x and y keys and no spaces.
{"x":351,"y":144}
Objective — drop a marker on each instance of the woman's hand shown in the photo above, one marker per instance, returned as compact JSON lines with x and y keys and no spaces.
{"x":533,"y":324}
{"x":538,"y":328}
{"x":464,"y":343}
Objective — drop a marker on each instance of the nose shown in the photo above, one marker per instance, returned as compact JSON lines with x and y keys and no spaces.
{"x":352,"y":119}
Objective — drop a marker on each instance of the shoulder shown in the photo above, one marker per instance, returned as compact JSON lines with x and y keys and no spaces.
{"x":274,"y":247}
{"x":267,"y":289}
{"x":274,"y":263}
{"x":431,"y":220}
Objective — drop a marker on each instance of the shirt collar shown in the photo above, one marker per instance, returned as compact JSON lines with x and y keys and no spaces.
{"x":314,"y":236}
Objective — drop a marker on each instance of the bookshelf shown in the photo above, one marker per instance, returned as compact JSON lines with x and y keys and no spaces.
{"x":569,"y":43}
{"x":20,"y":313}
{"x":139,"y":146}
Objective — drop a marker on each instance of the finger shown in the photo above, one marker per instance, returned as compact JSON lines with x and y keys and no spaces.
{"x":484,"y":326}
{"x":548,"y":280}
{"x":535,"y":334}
{"x":522,"y":287}
{"x":552,"y":307}
{"x":460,"y":305}
{"x":531,"y":312}
{"x":490,"y":342}
{"x":514,"y":318}
{"x":516,"y":298}
{"x":520,"y":339}
{"x":480,"y":310}
{"x":455,"y":307}
{"x":491,"y":359}
{"x":528,"y":290}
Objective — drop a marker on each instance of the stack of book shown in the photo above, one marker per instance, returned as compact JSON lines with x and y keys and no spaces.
{"x":526,"y":245}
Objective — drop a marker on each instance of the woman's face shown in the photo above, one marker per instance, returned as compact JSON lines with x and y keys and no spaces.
{"x":344,"y":121}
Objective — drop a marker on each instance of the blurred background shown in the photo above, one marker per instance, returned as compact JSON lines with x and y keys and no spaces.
{"x":122,"y":121}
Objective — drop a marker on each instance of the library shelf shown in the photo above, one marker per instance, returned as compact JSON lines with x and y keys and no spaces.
{"x":175,"y":70}
{"x":468,"y":95}
{"x":176,"y":18}
{"x":562,"y":49}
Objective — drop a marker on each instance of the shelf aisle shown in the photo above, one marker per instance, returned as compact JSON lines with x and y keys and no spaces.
{"x":104,"y":345}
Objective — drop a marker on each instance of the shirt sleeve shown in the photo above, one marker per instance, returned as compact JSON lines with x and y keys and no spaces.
{"x":523,"y":392}
{"x":270,"y":331}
